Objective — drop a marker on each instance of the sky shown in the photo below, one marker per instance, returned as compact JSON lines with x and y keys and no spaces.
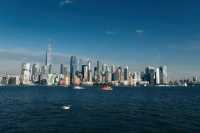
{"x":137,"y":33}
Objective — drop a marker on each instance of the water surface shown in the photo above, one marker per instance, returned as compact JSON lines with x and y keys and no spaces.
{"x":123,"y":110}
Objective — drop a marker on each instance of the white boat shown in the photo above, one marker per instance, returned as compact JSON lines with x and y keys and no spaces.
{"x":66,"y":107}
{"x":185,"y":85}
{"x":78,"y":88}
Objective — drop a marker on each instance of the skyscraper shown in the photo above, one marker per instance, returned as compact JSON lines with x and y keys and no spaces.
{"x":98,"y":71}
{"x":119,"y":74}
{"x":65,"y":72}
{"x":48,"y":55}
{"x":73,"y":68}
{"x":113,"y":72}
{"x":112,"y":68}
{"x":104,"y":67}
{"x":89,"y":71}
{"x":157,"y":76}
{"x":44,"y":70}
{"x":61,"y":69}
{"x":126,"y":73}
{"x":108,"y":75}
{"x":89,"y":63}
{"x":163,"y":75}
{"x":139,"y":78}
{"x":50,"y":69}
{"x":150,"y":75}
{"x":35,"y":72}
{"x":85,"y":73}
{"x":95,"y":74}
{"x":25,"y":73}
{"x":44,"y":75}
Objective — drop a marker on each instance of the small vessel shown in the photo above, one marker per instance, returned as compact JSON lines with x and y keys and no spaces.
{"x":106,"y":87}
{"x":78,"y":88}
{"x":185,"y":85}
{"x":66,"y":107}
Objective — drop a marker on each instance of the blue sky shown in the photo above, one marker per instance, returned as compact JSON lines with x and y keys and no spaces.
{"x":133,"y":32}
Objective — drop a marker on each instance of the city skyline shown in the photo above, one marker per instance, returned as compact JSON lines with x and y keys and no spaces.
{"x":133,"y":33}
{"x":82,"y":72}
{"x":60,"y":58}
{"x":87,"y":74}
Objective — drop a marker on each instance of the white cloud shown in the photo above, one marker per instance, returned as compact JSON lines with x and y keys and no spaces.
{"x":110,"y":33}
{"x":139,"y":31}
{"x":66,"y":2}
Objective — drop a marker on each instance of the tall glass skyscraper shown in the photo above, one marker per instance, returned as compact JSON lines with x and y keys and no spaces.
{"x":25,"y":73}
{"x":85,"y":73}
{"x":119,"y":74}
{"x":73,"y":68}
{"x":126,"y":73}
{"x":61,"y":69}
{"x":35,"y":72}
{"x":48,"y":55}
{"x":98,"y":71}
{"x":157,"y":76}
{"x":150,"y":75}
{"x":163,"y":75}
{"x":89,"y":71}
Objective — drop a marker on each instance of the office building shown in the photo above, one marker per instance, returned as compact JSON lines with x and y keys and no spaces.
{"x":4,"y":80}
{"x":126,"y":75}
{"x":61,"y":69}
{"x":150,"y":75}
{"x":89,"y":71}
{"x":85,"y":73}
{"x":25,"y":73}
{"x":48,"y":55}
{"x":50,"y":69}
{"x":163,"y":75}
{"x":73,"y":68}
{"x":98,"y":71}
{"x":119,"y":74}
{"x":65,"y":71}
{"x":44,"y":70}
{"x":13,"y":80}
{"x":108,"y":76}
{"x":157,"y":76}
{"x":35,"y":72}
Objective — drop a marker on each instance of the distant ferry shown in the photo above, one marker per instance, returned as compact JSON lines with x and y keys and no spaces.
{"x":106,"y":87}
{"x":78,"y":88}
{"x":185,"y":85}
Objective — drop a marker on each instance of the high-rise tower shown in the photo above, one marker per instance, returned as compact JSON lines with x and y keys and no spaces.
{"x":73,"y":68}
{"x":85,"y":73}
{"x":163,"y":75}
{"x":89,"y":71}
{"x":126,"y":73}
{"x":157,"y":76}
{"x":48,"y":55}
{"x":98,"y":71}
{"x":35,"y":72}
{"x":25,"y":76}
{"x":150,"y":75}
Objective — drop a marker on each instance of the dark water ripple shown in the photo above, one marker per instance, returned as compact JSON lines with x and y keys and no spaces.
{"x":124,"y":110}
